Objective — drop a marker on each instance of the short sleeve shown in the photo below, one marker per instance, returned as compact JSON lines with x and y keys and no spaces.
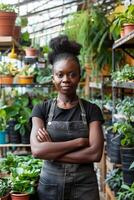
{"x":37,"y":111}
{"x":96,"y":114}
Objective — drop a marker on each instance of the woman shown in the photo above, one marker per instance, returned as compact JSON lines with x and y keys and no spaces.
{"x":67,"y":132}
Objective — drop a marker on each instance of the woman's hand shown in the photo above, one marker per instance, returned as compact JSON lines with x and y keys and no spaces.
{"x":43,"y":136}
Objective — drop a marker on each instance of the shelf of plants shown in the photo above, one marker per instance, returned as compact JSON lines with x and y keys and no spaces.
{"x":120,"y":137}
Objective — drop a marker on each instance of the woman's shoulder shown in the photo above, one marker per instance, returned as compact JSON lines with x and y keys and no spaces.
{"x":45,"y":104}
{"x":87,"y":103}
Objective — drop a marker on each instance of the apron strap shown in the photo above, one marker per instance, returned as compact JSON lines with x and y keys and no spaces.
{"x":51,"y":112}
{"x":83,"y":113}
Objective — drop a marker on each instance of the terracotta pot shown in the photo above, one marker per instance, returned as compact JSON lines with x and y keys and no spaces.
{"x":20,"y":196}
{"x":7,"y":23}
{"x":129,"y":60}
{"x":31,"y":51}
{"x":105,"y":71}
{"x":25,"y":79}
{"x":122,"y":34}
{"x":17,"y":33}
{"x":5,"y":197}
{"x":128,"y":28}
{"x":6,"y":79}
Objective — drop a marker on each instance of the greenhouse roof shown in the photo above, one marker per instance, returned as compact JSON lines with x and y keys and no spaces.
{"x":46,"y":18}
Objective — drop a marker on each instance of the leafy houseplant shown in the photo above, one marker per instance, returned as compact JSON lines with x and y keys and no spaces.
{"x":26,"y":75}
{"x":93,"y":35}
{"x":126,"y":109}
{"x":21,"y":115}
{"x":7,"y":7}
{"x":4,"y":188}
{"x":3,"y":119}
{"x":23,"y":180}
{"x":3,"y":124}
{"x":7,"y":71}
{"x":114,"y":179}
{"x":126,"y":192}
{"x":121,"y":20}
{"x":127,"y":150}
{"x":125,"y":74}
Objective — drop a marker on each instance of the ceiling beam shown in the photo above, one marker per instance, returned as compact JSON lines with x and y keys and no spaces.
{"x":25,"y":2}
{"x":50,"y":27}
{"x":51,"y":18}
{"x":47,"y":9}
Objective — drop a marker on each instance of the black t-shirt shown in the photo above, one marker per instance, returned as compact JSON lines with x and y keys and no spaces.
{"x":93,"y":112}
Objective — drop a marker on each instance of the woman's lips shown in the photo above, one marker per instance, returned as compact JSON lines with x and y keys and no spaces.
{"x":66,"y":87}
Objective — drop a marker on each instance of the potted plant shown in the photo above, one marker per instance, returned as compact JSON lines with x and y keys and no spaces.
{"x":22,"y":117}
{"x":4,"y":188}
{"x":123,"y":23}
{"x":127,"y":151}
{"x":125,"y":109}
{"x":26,"y":74}
{"x":7,"y":72}
{"x":113,"y":138}
{"x":124,"y":75}
{"x":23,"y":181}
{"x":7,"y":19}
{"x":3,"y":125}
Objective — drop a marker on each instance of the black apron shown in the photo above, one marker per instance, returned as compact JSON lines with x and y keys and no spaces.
{"x":65,"y":181}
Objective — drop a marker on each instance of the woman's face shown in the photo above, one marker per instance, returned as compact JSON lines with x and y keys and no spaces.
{"x":66,"y":76}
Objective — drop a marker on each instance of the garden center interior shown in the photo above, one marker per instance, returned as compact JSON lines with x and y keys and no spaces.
{"x":105,"y":30}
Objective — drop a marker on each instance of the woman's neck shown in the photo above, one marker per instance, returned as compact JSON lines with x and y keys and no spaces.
{"x":67,"y":99}
{"x":67,"y":102}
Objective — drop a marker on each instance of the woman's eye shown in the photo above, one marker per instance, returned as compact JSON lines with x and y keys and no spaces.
{"x":73,"y":74}
{"x":59,"y":75}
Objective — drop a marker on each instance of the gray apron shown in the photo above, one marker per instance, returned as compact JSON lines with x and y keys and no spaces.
{"x":66,"y":181}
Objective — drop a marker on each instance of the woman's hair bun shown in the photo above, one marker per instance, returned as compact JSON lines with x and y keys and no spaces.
{"x":62,"y":44}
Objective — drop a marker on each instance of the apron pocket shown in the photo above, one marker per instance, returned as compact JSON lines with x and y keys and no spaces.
{"x":47,"y":191}
{"x":86,"y":192}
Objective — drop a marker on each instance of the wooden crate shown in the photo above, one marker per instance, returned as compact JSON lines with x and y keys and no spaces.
{"x":109,"y":194}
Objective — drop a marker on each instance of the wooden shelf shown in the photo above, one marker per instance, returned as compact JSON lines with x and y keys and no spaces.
{"x":109,"y":194}
{"x":125,"y":42}
{"x":14,"y":145}
{"x":129,"y":84}
{"x":8,"y":41}
{"x":27,"y":85}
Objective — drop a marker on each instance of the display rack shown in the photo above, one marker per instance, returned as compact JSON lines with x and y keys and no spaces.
{"x":122,"y":43}
{"x":102,"y":84}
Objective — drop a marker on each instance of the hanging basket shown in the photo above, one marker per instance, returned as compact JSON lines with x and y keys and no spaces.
{"x":7,"y":23}
{"x":6,"y":79}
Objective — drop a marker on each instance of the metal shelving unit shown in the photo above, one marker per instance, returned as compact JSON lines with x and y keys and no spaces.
{"x":124,"y":43}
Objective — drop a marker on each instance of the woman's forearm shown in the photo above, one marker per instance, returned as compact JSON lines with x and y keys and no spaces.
{"x":54,"y":150}
{"x":84,"y":155}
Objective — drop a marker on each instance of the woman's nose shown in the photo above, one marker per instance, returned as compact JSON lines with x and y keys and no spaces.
{"x":65,"y":78}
